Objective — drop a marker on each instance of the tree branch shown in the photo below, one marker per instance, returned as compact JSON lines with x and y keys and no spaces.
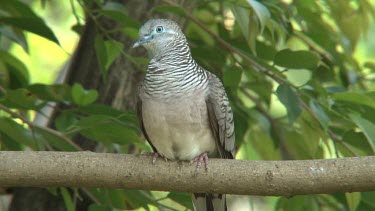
{"x":266,"y":178}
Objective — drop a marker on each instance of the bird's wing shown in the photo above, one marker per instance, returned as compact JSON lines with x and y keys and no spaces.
{"x":140,"y":120}
{"x":220,"y":117}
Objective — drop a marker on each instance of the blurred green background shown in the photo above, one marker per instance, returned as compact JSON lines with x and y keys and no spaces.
{"x":299,"y":75}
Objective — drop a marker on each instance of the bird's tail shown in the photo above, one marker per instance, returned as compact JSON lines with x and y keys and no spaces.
{"x":209,"y":202}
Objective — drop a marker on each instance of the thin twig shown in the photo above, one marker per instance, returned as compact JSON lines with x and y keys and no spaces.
{"x":337,"y":139}
{"x":31,"y":125}
{"x":313,"y":46}
{"x":331,"y":134}
{"x":75,"y":14}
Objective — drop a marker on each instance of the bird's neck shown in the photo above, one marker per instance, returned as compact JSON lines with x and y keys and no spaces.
{"x":174,"y":71}
{"x":175,"y":57}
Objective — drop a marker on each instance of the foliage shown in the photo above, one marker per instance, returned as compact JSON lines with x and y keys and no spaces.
{"x":297,"y":89}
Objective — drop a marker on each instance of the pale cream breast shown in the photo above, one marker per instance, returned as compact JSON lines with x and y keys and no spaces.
{"x":178,"y":128}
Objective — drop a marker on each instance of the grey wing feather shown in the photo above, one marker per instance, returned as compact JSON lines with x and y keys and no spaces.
{"x":220,"y":117}
{"x":140,"y":120}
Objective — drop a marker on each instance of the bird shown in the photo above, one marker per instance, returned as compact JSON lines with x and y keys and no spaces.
{"x":183,"y":109}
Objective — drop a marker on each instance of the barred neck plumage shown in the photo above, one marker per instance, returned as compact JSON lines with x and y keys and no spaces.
{"x":173,"y":72}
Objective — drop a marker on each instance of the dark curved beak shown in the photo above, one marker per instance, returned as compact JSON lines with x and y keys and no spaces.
{"x":143,"y":40}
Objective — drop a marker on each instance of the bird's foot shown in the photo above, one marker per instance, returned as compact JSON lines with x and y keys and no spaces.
{"x":200,"y":159}
{"x":154,"y":155}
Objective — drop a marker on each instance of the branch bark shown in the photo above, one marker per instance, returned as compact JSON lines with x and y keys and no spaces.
{"x":266,"y":178}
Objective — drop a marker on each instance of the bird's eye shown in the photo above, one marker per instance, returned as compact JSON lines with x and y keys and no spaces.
{"x":159,"y":29}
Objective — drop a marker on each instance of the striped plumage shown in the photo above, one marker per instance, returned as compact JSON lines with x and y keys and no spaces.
{"x":174,"y":72}
{"x":183,"y":109}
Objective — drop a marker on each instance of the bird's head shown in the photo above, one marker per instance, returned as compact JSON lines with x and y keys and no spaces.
{"x":157,"y":34}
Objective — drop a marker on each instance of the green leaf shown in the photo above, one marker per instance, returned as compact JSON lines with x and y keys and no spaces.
{"x":205,"y":16}
{"x":242,"y":19}
{"x":248,"y":151}
{"x":55,"y":92}
{"x":355,"y":98}
{"x":114,"y":6}
{"x":370,"y":65}
{"x":77,"y":28}
{"x":303,"y":143}
{"x":18,"y":73}
{"x":4,"y":76}
{"x":53,"y":138}
{"x":182,"y":198}
{"x":320,"y":113}
{"x":261,"y":11}
{"x":16,"y":36}
{"x":17,"y":8}
{"x":298,"y":77}
{"x":305,"y":203}
{"x":69,"y":205}
{"x":102,"y":110}
{"x":17,"y":132}
{"x":265,"y":51}
{"x":99,"y":207}
{"x":121,"y":17}
{"x":371,"y":94}
{"x":117,"y":198}
{"x":368,"y":198}
{"x":367,"y":127}
{"x":357,"y":142}
{"x":323,"y":73}
{"x":232,"y":76}
{"x":241,"y":120}
{"x":65,"y":120}
{"x":136,"y":199}
{"x":77,"y":92}
{"x":169,"y":9}
{"x":90,"y":97}
{"x":290,"y":100}
{"x":131,"y":32}
{"x":329,"y":202}
{"x":127,"y":118}
{"x":83,"y":97}
{"x":21,"y":99}
{"x":32,"y":24}
{"x":205,"y":54}
{"x":261,"y":143}
{"x":101,"y":54}
{"x":8,"y":143}
{"x":106,"y":52}
{"x":352,"y":200}
{"x":246,"y":24}
{"x":297,"y":59}
{"x":113,"y":49}
{"x":107,"y":130}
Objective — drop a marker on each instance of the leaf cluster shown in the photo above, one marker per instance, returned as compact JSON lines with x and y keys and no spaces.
{"x":290,"y":68}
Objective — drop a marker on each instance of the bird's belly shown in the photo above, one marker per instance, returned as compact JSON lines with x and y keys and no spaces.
{"x":178,"y":129}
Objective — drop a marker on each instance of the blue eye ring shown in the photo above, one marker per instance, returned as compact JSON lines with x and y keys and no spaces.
{"x":159,"y":29}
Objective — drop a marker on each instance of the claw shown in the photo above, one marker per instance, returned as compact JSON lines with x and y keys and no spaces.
{"x":154,"y":155}
{"x":200,"y":159}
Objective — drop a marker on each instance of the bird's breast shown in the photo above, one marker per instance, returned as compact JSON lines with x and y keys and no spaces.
{"x":178,"y":127}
